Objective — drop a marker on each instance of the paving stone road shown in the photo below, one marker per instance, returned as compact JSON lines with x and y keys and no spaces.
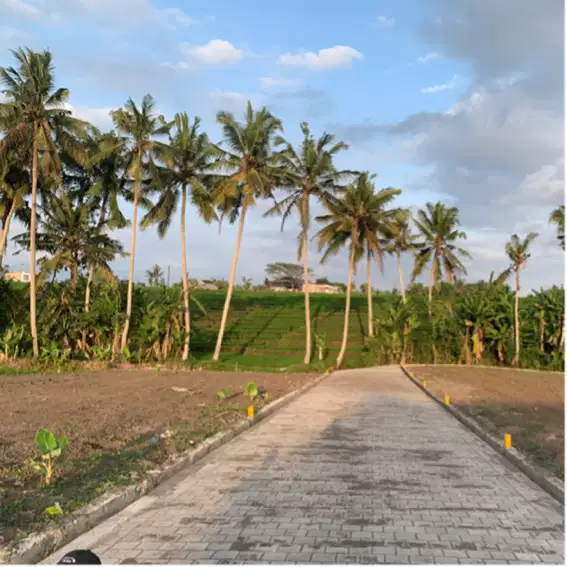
{"x":363,"y":468}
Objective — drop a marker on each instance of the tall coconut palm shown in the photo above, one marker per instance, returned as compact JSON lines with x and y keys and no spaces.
{"x":310,"y":172}
{"x":34,"y":114}
{"x":557,"y":217}
{"x":401,"y":239}
{"x":138,"y":128}
{"x":438,"y":226}
{"x":373,"y":228}
{"x":252,"y":171}
{"x":189,"y":159}
{"x":348,"y":223}
{"x":14,"y":187}
{"x":517,"y":251}
{"x":106,"y":185}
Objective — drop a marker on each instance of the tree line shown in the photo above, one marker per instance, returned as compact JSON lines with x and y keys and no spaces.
{"x":66,"y":182}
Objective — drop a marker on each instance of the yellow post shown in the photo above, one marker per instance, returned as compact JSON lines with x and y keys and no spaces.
{"x":251,"y":412}
{"x":411,"y":374}
{"x":507,"y":441}
{"x":447,"y":400}
{"x":424,"y":383}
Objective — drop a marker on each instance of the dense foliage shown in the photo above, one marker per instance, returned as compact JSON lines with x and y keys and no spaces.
{"x":66,"y":183}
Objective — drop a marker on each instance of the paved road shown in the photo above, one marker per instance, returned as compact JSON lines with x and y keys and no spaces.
{"x":363,"y":468}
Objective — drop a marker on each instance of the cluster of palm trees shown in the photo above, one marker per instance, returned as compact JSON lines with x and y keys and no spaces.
{"x":81,"y":176}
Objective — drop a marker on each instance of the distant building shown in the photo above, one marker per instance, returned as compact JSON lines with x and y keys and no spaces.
{"x":207,"y":285}
{"x":283,"y":284}
{"x":322,"y":288}
{"x":18,"y":276}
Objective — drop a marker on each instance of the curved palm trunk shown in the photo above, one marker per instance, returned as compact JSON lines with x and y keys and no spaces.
{"x":430,"y":307}
{"x":187,"y":313}
{"x":131,"y":274}
{"x":5,"y":229}
{"x":516,"y":360}
{"x":230,"y":282}
{"x":90,"y":276}
{"x":307,"y":357}
{"x":33,"y":287}
{"x":347,"y":309}
{"x":369,"y":296}
{"x":401,"y":275}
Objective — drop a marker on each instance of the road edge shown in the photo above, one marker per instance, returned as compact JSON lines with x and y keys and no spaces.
{"x":552,"y":485}
{"x":38,"y":545}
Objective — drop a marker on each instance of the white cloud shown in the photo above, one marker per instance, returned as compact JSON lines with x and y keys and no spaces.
{"x":431,"y":56}
{"x":231,"y":101}
{"x":442,"y":87}
{"x":217,"y":51}
{"x":99,"y":117}
{"x":19,"y":8}
{"x":267,"y":82}
{"x":329,"y":58}
{"x":385,"y":22}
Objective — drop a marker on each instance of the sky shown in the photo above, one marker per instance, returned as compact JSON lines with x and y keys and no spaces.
{"x":452,"y":100}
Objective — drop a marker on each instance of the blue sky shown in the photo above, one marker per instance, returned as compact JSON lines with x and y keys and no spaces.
{"x":446,"y":99}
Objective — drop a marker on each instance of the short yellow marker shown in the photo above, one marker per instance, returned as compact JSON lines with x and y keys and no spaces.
{"x":507,"y":441}
{"x":411,"y":374}
{"x":447,"y":400}
{"x":251,"y":412}
{"x":424,"y":383}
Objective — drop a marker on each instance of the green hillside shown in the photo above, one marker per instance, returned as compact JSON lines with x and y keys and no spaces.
{"x":272,"y":325}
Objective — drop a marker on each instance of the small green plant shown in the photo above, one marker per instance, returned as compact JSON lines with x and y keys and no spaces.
{"x":126,"y":354}
{"x":222,"y":394}
{"x":50,"y":448}
{"x":54,"y":511}
{"x":102,"y":353}
{"x":53,"y":353}
{"x":321,"y":345}
{"x":252,"y":391}
{"x":11,"y":340}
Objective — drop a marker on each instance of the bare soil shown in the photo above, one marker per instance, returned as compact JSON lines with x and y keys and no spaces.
{"x":119,"y":422}
{"x":528,"y":405}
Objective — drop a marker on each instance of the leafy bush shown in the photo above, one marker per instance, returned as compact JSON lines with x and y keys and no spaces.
{"x":50,"y":448}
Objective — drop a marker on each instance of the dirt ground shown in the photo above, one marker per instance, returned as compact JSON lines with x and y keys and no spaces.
{"x":118,"y":423}
{"x":528,"y":405}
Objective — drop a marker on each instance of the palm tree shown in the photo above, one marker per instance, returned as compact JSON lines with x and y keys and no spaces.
{"x":557,"y":217}
{"x":310,"y":172}
{"x":438,"y":226}
{"x":349,"y":222}
{"x":517,"y":251}
{"x":67,"y":235}
{"x":252,"y":173}
{"x":14,"y":187}
{"x":138,"y":127}
{"x":373,"y":227}
{"x":189,"y":159}
{"x":401,"y":239}
{"x":155,"y":276}
{"x":35,"y":114}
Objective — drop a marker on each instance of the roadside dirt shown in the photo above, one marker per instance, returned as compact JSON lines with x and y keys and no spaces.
{"x":119,"y":422}
{"x":528,"y":405}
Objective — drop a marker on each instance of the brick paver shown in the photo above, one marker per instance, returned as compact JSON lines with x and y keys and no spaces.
{"x":364,"y":468}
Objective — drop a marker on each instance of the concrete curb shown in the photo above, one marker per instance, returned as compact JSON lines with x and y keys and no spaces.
{"x":38,"y":545}
{"x":551,"y":485}
{"x":487,"y":367}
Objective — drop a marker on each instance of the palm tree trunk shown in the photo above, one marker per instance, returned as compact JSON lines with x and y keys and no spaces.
{"x":33,"y":288}
{"x":369,"y":296}
{"x":4,"y":232}
{"x":216,"y":354}
{"x":131,"y":274}
{"x":187,"y":313}
{"x":401,"y":275}
{"x":74,"y":276}
{"x":431,"y":283}
{"x":347,"y":308}
{"x":307,"y":357}
{"x":90,"y":276}
{"x":516,"y":360}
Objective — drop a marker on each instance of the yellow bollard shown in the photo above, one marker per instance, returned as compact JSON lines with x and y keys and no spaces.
{"x":411,"y":374}
{"x":447,"y":400}
{"x":507,"y":441}
{"x":424,"y":383}
{"x":251,"y":412}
